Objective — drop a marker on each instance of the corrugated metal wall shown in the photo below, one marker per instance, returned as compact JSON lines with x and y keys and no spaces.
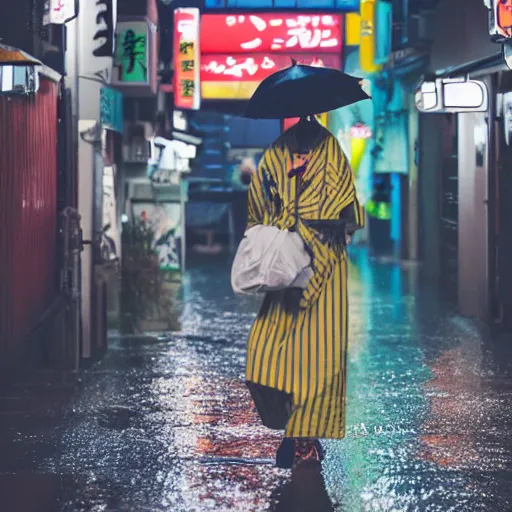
{"x":28,"y":216}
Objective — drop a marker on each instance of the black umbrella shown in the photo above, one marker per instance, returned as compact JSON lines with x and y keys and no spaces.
{"x":301,"y":90}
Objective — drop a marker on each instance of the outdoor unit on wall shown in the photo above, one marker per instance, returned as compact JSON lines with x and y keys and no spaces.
{"x":135,"y":142}
{"x":452,"y":95}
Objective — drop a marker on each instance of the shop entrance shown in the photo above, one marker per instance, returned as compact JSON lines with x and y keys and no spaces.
{"x":449,"y":206}
{"x":500,"y":206}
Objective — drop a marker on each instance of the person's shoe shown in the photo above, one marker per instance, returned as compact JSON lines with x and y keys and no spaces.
{"x":285,"y":455}
{"x":308,"y":450}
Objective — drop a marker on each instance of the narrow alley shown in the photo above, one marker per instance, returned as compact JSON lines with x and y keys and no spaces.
{"x":255,"y":256}
{"x":164,"y":422}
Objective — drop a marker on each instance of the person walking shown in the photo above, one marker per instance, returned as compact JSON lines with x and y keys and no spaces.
{"x":296,"y":360}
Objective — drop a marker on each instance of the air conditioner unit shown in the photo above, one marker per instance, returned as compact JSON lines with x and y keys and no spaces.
{"x":136,"y":148}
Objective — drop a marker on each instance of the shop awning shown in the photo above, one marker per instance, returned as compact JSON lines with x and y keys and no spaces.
{"x":11,"y":56}
{"x":492,"y":63}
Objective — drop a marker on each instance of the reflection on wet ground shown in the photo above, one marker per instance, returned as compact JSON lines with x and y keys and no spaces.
{"x":165,"y":423}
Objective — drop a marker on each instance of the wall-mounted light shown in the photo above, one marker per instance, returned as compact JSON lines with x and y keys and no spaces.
{"x":18,"y":71}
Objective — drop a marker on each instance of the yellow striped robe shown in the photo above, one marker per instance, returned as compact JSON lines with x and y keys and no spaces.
{"x":304,"y":354}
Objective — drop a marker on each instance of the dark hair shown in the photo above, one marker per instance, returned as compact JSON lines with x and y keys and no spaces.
{"x":245,"y":178}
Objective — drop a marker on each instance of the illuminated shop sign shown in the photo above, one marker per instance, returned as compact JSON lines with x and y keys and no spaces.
{"x":132,"y":51}
{"x":253,"y":46}
{"x":367,"y":47}
{"x":500,"y":19}
{"x":383,"y":30}
{"x":59,"y":12}
{"x":338,"y":5}
{"x":237,"y":76}
{"x":187,"y":92}
{"x":283,"y":33}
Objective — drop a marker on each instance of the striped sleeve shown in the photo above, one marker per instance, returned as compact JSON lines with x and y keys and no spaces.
{"x":321,"y":263}
{"x":353,"y":214}
{"x":256,"y":199}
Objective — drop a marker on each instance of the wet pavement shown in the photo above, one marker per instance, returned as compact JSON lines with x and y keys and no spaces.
{"x":165,"y":423}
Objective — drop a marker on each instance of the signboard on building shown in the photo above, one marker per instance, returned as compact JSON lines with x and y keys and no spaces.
{"x":383,"y":31}
{"x":276,"y":33}
{"x":165,"y":220}
{"x":187,"y":89}
{"x":236,"y":76}
{"x":352,"y":29}
{"x":367,"y":47}
{"x":96,"y":28}
{"x":500,"y":19}
{"x":59,"y":12}
{"x":132,"y":55}
{"x":111,"y":109}
{"x":336,"y":5}
{"x":136,"y":57}
{"x":254,"y":46}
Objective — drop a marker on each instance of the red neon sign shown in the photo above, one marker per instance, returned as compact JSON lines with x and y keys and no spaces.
{"x":256,"y":67}
{"x":279,"y":33}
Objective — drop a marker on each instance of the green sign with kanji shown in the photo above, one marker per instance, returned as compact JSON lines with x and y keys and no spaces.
{"x":132,"y":51}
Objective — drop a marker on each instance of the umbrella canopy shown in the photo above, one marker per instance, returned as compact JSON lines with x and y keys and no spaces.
{"x":301,"y":90}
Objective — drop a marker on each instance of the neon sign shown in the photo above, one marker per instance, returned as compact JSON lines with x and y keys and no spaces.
{"x":269,"y":5}
{"x":280,"y":33}
{"x":186,"y":59}
{"x":256,"y":67}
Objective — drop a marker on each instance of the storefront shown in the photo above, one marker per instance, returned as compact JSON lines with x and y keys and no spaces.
{"x":463,"y":151}
{"x":94,"y":58}
{"x":219,"y":71}
{"x":220,"y":74}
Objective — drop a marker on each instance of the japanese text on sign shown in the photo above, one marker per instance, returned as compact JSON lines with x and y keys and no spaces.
{"x":271,"y":33}
{"x":187,"y":92}
{"x":132,"y":51}
{"x":111,"y":109}
{"x":239,"y":68}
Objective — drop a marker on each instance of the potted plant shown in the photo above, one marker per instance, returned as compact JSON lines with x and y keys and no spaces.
{"x":143,"y":293}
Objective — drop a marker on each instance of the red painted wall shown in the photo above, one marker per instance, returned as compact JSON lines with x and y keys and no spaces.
{"x":28,"y":215}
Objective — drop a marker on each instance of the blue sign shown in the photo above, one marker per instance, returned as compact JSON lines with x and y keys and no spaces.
{"x":111,"y":109}
{"x":383,"y":35}
{"x":306,"y":5}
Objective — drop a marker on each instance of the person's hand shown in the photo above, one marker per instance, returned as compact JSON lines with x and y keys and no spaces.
{"x":348,"y":238}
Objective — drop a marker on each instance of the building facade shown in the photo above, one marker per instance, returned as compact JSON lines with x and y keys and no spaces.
{"x":464,"y":234}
